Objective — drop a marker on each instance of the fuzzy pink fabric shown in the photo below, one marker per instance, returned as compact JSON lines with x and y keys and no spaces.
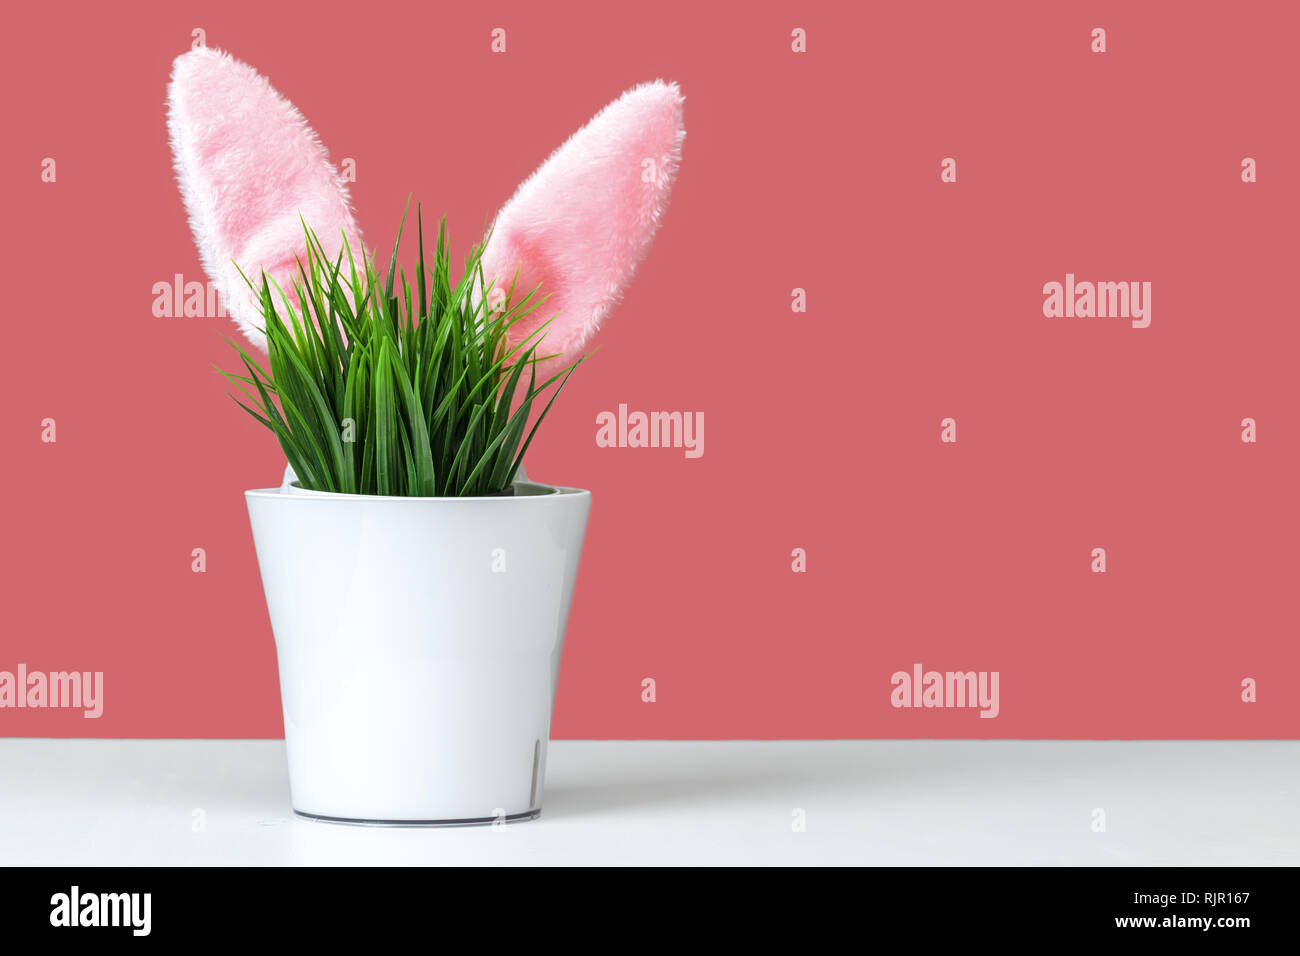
{"x":248,"y":166}
{"x":580,"y":225}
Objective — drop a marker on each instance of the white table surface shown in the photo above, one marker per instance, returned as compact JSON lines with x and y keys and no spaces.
{"x":169,"y":802}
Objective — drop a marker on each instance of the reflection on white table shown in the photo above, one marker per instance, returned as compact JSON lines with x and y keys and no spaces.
{"x":910,"y":802}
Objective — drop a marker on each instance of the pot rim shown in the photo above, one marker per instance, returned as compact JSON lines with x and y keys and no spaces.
{"x":550,"y":493}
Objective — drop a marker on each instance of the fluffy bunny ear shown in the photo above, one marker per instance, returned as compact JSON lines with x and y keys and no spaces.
{"x":582,"y":222}
{"x":249,"y":166}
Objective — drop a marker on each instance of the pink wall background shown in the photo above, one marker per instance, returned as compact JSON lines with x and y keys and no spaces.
{"x":818,"y":171}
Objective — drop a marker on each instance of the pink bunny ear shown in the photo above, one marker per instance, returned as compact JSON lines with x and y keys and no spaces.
{"x":582,"y":222}
{"x":249,"y":166}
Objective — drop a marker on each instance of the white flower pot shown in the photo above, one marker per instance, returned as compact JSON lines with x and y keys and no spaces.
{"x":419,"y":643}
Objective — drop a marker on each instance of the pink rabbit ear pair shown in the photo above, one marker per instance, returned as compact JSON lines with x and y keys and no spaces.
{"x":249,"y":166}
